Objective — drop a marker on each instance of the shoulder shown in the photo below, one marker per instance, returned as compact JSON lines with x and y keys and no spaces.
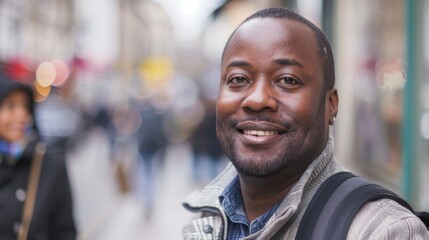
{"x":386,"y":219}
{"x":207,"y":221}
{"x":54,"y":160}
{"x":54,"y":173}
{"x":203,"y":225}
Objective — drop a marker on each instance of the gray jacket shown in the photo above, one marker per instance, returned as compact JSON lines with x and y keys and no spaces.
{"x":382,"y":219}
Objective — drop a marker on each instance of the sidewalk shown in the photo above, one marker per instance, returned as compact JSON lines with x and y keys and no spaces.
{"x":102,"y":212}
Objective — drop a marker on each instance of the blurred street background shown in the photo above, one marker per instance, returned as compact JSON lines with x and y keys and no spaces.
{"x":126,"y":89}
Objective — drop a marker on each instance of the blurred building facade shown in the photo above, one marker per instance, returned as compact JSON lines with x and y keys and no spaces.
{"x":381,"y":64}
{"x":32,"y":29}
{"x":381,"y":49}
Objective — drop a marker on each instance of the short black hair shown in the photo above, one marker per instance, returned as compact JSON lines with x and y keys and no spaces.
{"x":323,"y":45}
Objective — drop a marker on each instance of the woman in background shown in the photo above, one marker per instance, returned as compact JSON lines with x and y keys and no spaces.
{"x":35,"y":197}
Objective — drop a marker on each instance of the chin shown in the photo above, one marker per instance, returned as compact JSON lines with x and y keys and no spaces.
{"x":14,"y":138}
{"x":260,"y":166}
{"x":257,"y":172}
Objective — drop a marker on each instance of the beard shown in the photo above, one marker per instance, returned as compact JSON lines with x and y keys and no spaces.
{"x":297,"y":148}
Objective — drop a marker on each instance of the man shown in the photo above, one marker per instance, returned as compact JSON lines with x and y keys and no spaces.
{"x":276,"y":102}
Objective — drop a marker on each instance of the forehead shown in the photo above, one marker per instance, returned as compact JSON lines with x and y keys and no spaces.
{"x":16,"y":95}
{"x":271,"y":38}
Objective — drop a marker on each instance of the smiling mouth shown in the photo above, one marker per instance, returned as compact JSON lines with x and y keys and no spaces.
{"x":260,"y":133}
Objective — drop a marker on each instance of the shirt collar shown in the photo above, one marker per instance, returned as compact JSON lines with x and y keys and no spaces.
{"x":11,"y":151}
{"x":232,"y":203}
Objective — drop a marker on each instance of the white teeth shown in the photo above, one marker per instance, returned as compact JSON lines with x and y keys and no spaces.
{"x":260,"y":133}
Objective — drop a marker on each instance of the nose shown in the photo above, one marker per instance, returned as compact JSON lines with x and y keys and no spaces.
{"x":260,"y":98}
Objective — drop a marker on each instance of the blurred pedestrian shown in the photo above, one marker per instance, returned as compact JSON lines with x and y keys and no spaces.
{"x":205,"y":146}
{"x":104,"y":120}
{"x":152,"y":144}
{"x":35,"y":196}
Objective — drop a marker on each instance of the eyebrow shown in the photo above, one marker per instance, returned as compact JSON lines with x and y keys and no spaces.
{"x":287,"y":62}
{"x":279,"y":61}
{"x":239,"y":63}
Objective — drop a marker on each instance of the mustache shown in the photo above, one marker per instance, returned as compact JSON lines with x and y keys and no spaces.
{"x":261,"y":118}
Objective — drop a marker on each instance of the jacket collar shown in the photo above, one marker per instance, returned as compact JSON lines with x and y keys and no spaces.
{"x":209,"y":195}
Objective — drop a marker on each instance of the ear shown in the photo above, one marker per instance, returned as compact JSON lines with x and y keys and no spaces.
{"x":332,"y":105}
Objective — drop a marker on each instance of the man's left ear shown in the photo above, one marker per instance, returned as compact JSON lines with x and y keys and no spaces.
{"x":332,"y":105}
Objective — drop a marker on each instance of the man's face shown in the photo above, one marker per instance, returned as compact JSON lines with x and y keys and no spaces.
{"x":272,"y":112}
{"x":14,"y":116}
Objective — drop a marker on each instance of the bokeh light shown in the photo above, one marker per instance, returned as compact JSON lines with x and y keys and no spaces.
{"x":62,"y":72}
{"x":42,"y":92}
{"x":46,"y":74}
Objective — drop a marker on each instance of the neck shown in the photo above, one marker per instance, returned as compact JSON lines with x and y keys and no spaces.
{"x":260,"y":194}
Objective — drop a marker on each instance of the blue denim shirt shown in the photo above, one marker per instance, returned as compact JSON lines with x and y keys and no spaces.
{"x":238,"y":224}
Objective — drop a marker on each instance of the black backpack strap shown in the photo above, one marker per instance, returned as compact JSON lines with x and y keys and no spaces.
{"x":424,"y":216}
{"x":333,"y":207}
{"x":312,"y":215}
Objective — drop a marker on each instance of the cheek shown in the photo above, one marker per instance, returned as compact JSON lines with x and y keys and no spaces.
{"x":4,"y":123}
{"x":4,"y":120}
{"x":228,"y":103}
{"x":302,"y":108}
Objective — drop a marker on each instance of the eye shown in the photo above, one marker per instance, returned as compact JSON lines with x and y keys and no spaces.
{"x":288,"y":82}
{"x":238,"y":81}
